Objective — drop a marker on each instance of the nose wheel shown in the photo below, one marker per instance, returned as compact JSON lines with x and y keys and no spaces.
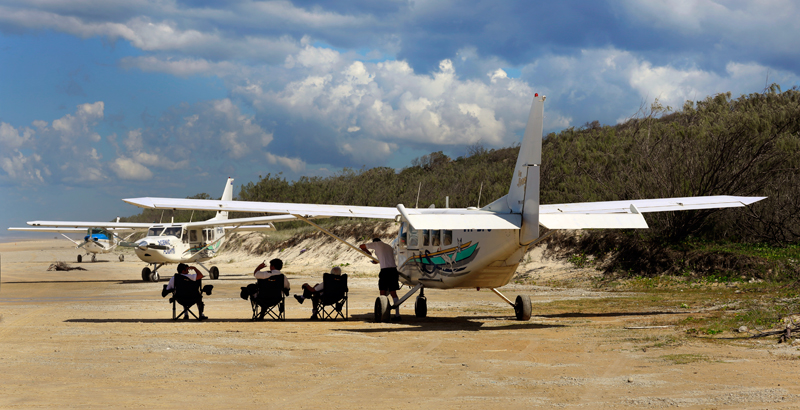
{"x":150,"y":275}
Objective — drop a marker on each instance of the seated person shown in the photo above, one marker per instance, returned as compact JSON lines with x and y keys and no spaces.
{"x":314,"y":292}
{"x":183,"y":269}
{"x":275,"y":267}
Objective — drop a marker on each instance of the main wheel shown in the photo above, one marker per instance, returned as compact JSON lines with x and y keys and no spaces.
{"x":121,"y":258}
{"x":381,"y":309}
{"x":214,"y":272}
{"x":145,"y":274}
{"x":154,"y":276}
{"x":94,"y":258}
{"x":421,"y":306}
{"x":522,"y":307}
{"x":80,"y":258}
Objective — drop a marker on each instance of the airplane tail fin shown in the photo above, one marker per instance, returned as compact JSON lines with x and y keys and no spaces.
{"x":227,"y":195}
{"x":523,"y":194}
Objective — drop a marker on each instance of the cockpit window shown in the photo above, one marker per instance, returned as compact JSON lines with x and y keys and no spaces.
{"x":172,"y":231}
{"x":155,"y":231}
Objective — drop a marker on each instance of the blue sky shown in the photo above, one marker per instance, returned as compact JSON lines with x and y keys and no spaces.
{"x":101,"y":100}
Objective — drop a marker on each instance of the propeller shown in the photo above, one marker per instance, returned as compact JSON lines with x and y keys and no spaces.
{"x":143,"y":246}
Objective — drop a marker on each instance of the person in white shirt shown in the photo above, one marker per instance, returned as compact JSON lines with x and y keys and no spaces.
{"x":275,"y":267}
{"x":183,"y":269}
{"x":389,"y":277}
{"x":310,"y":292}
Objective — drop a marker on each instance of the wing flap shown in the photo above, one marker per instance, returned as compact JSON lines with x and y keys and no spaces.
{"x":593,"y":221}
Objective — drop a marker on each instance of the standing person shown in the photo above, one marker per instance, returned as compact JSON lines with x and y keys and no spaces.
{"x":183,"y":269}
{"x":389,"y":277}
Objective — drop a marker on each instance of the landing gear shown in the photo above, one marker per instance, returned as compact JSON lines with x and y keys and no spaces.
{"x":121,"y":258}
{"x":522,"y":307}
{"x":94,"y":258}
{"x":214,"y":272}
{"x":421,"y":305}
{"x":80,"y":258}
{"x":151,"y":275}
{"x":382,"y":309}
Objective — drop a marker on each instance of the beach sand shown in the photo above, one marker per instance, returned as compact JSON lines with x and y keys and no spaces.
{"x":102,"y":338}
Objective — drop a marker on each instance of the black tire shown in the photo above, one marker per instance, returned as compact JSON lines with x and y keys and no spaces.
{"x":80,"y":258}
{"x":381,"y":309}
{"x":146,"y":274}
{"x":154,"y":276}
{"x":421,"y":306}
{"x":121,"y":258}
{"x":214,"y":272}
{"x":522,"y":307}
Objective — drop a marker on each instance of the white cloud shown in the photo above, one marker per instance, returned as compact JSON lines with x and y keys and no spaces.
{"x":10,"y":137}
{"x":126,"y":168}
{"x":295,"y":164}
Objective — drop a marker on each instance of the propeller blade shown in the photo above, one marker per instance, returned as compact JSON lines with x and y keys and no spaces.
{"x":157,"y":247}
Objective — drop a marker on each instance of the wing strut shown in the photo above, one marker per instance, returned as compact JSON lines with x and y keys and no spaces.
{"x":329,"y":233}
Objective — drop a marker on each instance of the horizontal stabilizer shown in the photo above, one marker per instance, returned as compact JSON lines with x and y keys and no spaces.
{"x":593,"y":221}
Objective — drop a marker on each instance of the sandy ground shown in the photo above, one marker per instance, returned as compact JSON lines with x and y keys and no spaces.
{"x":102,"y":338}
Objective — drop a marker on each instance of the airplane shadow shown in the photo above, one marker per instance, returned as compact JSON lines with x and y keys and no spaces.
{"x":169,"y":320}
{"x":608,"y":314}
{"x":471,"y":323}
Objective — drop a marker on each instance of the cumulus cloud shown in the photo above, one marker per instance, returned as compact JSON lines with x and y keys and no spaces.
{"x":126,"y":168}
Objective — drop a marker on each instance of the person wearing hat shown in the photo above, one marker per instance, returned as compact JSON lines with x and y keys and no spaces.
{"x":389,"y":277}
{"x":312,"y":292}
{"x":183,"y":269}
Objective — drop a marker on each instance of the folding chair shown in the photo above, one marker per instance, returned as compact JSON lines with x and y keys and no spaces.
{"x":271,"y":296}
{"x":187,"y":294}
{"x":334,"y":297}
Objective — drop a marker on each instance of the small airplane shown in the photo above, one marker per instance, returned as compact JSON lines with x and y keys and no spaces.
{"x":98,"y":239}
{"x":165,"y":243}
{"x":450,"y":248}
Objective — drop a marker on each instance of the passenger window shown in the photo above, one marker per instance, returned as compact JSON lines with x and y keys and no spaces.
{"x":193,"y":236}
{"x":447,"y":237}
{"x":413,"y":238}
{"x":435,"y":238}
{"x":425,"y":237}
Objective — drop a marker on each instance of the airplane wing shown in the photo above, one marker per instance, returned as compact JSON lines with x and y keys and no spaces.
{"x":244,"y":224}
{"x":135,"y":226}
{"x":587,"y":215}
{"x":46,"y":229}
{"x":651,"y":205}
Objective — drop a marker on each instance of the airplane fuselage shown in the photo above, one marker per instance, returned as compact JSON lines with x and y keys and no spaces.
{"x":446,"y":259}
{"x":176,"y":244}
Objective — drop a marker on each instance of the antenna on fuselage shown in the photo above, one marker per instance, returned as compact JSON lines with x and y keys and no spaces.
{"x":160,"y":219}
{"x":479,"y":195}
{"x":418,"y":189}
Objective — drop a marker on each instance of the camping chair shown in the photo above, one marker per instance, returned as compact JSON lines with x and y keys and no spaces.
{"x":334,"y":297}
{"x":271,"y":295}
{"x":187,"y":294}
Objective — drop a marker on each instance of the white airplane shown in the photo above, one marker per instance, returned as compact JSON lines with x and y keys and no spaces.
{"x":98,"y":239}
{"x":165,"y":243}
{"x":474,"y":248}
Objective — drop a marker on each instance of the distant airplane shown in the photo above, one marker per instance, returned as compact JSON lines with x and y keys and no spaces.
{"x":98,"y":239}
{"x":165,"y":243}
{"x":474,"y":248}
